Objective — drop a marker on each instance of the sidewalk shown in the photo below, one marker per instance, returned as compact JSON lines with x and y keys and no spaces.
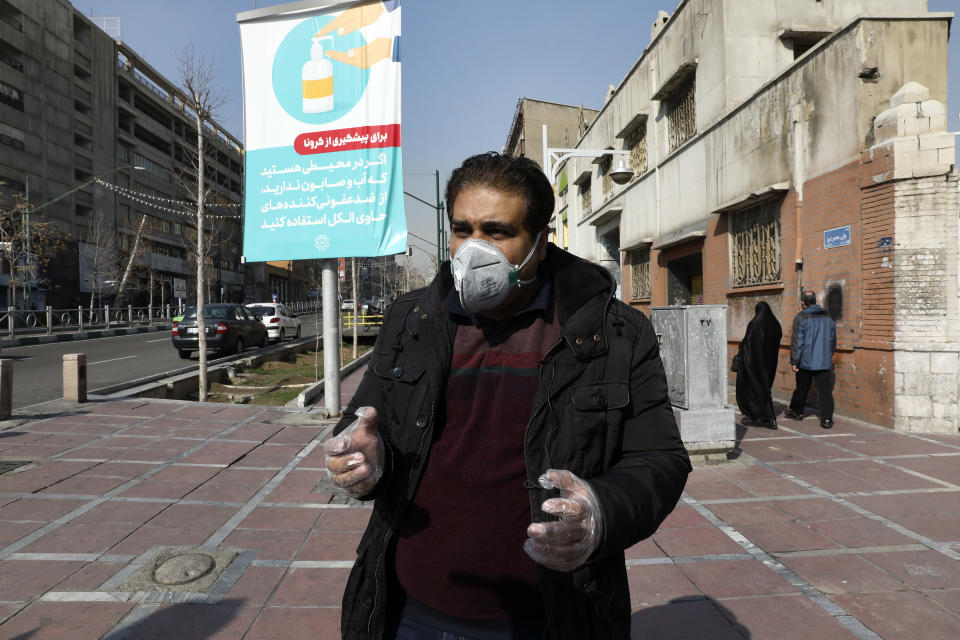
{"x":809,"y":534}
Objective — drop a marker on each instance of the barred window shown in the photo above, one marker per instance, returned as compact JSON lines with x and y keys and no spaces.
{"x":640,"y":274}
{"x":682,"y":112}
{"x":585,"y":203}
{"x":637,"y":144}
{"x":604,"y":171}
{"x":755,"y":245}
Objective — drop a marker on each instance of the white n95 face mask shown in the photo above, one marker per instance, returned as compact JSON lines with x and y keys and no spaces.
{"x":483,"y":276}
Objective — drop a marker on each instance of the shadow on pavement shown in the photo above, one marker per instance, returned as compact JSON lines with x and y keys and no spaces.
{"x":687,"y":618}
{"x":184,"y":622}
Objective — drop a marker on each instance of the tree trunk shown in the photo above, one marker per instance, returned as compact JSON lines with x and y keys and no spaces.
{"x":133,"y":256}
{"x":201,"y":260}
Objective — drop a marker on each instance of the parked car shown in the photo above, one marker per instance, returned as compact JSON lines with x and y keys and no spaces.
{"x":279,"y":321}
{"x":347,"y":305}
{"x":230,"y":329}
{"x":373,"y":306}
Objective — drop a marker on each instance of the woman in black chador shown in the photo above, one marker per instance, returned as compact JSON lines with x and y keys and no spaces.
{"x":757,"y":366}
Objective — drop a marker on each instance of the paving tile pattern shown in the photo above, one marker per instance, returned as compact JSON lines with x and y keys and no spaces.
{"x":851,"y":533}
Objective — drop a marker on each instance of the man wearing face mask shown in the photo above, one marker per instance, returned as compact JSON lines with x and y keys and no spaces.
{"x":514,"y":430}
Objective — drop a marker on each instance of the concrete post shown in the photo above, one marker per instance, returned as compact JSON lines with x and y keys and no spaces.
{"x":80,"y":318}
{"x":49,"y":319}
{"x":10,"y":320}
{"x":6,"y":388}
{"x":106,"y":314}
{"x":129,"y":315}
{"x":75,"y":377}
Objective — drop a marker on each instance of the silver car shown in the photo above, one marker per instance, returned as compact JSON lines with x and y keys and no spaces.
{"x":280,"y":322}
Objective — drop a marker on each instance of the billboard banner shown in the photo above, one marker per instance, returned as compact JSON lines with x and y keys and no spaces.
{"x":323,"y":175}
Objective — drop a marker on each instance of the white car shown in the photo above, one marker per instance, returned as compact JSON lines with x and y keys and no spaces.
{"x":278,"y":320}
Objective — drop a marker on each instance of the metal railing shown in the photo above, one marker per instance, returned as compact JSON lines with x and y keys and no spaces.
{"x":47,"y":321}
{"x":364,"y":320}
{"x":26,"y":322}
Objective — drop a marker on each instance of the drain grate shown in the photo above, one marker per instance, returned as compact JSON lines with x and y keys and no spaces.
{"x":10,"y":465}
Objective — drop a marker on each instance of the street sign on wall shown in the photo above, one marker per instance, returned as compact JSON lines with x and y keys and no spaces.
{"x":322,"y":131}
{"x":839,"y":237}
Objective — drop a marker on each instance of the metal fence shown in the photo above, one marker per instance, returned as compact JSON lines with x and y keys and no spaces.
{"x":15,"y":322}
{"x":47,"y":321}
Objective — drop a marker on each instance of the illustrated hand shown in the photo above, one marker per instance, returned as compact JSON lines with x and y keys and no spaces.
{"x":352,"y":19}
{"x":366,"y":56}
{"x":568,"y":543}
{"x":355,"y":457}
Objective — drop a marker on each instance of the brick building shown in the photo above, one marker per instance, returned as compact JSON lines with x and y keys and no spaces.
{"x":782,"y":146}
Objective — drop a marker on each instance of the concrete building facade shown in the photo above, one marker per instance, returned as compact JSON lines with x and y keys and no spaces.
{"x":565,"y":125}
{"x":787,"y":145}
{"x":76,"y":104}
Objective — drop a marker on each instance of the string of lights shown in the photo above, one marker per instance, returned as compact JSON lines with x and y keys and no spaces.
{"x":149,"y":200}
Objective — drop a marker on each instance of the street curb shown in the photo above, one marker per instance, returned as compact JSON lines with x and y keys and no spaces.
{"x":27,"y":341}
{"x":313,"y":393}
{"x":212,"y":364}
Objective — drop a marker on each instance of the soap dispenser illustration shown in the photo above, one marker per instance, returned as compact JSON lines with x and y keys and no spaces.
{"x":317,"y":76}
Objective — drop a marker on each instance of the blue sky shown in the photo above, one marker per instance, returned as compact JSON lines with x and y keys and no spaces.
{"x":465,"y":65}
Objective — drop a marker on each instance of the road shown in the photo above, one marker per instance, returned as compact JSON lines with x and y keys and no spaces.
{"x":37,"y":369}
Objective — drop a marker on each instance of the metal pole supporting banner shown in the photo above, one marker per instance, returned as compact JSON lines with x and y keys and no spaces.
{"x":331,"y":340}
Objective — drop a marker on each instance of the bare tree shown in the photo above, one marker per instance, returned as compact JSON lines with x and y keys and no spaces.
{"x":136,"y":251}
{"x":99,"y":255}
{"x":203,"y":100}
{"x":27,"y":245}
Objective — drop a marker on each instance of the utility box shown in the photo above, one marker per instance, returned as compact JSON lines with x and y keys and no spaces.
{"x":693,"y":348}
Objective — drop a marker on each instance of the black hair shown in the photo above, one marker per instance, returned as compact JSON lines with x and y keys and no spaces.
{"x":511,"y":174}
{"x":808,"y":298}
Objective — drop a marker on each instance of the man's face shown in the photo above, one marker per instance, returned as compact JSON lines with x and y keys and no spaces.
{"x":496,"y":217}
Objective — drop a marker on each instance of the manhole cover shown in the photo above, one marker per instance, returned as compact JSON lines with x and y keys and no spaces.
{"x":184,"y":569}
{"x":190,"y":570}
{"x":10,"y":465}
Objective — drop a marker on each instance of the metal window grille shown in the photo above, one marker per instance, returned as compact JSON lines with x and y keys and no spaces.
{"x":640,"y":274}
{"x":755,"y":245}
{"x":585,"y":199}
{"x":606,"y":181}
{"x":682,"y":112}
{"x":637,"y":143}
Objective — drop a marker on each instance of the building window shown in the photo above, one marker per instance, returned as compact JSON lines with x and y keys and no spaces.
{"x":11,"y":96}
{"x":682,"y":112}
{"x":11,"y":136}
{"x":755,"y":245}
{"x":606,"y":181}
{"x":586,"y":206}
{"x":637,"y":144}
{"x":640,"y":274}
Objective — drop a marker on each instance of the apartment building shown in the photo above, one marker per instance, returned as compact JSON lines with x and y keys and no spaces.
{"x":565,"y":125}
{"x":75,"y":105}
{"x":783,"y":145}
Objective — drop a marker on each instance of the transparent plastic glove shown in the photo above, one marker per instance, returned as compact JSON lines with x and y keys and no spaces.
{"x":355,"y":457}
{"x":566,"y":544}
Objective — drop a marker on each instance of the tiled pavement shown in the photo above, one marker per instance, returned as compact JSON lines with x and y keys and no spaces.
{"x":849,"y":533}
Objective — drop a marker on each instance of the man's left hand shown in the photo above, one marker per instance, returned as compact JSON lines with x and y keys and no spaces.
{"x":566,"y":544}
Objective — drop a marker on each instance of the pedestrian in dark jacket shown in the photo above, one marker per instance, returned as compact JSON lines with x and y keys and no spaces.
{"x":514,"y":430}
{"x":757,"y":366}
{"x":812,"y":345}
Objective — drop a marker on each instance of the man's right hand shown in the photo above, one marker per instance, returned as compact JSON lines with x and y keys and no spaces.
{"x":355,"y":456}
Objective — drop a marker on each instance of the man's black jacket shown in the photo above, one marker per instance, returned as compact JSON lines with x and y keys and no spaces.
{"x":600,"y":411}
